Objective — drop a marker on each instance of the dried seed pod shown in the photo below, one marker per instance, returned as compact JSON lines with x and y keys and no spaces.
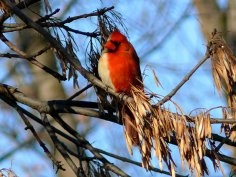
{"x":224,"y":73}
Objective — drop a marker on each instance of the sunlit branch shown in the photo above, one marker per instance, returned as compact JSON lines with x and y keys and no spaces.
{"x":79,"y":139}
{"x":81,"y":107}
{"x":183,"y":81}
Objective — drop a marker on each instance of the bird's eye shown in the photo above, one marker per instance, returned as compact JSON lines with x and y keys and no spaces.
{"x":115,"y":43}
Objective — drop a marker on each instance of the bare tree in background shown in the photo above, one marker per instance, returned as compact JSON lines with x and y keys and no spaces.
{"x":48,"y":52}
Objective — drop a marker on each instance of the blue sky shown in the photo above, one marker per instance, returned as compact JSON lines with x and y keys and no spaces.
{"x":180,"y":52}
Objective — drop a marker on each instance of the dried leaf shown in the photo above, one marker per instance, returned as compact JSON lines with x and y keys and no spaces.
{"x":4,"y":8}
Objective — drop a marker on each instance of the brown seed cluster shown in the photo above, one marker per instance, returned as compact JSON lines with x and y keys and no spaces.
{"x":3,"y":7}
{"x":224,"y":73}
{"x":157,"y":126}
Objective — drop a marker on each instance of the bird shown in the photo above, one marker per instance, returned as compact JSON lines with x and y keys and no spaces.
{"x":119,"y":68}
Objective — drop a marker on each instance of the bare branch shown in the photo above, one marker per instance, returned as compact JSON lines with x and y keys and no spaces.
{"x":124,"y":159}
{"x":88,"y":146}
{"x":36,"y":54}
{"x":80,"y":92}
{"x":183,"y":81}
{"x":81,"y":142}
{"x":79,"y":139}
{"x":29,"y":126}
{"x":179,"y":125}
{"x":79,"y":107}
{"x":169,"y":33}
{"x":22,"y":5}
{"x":58,"y":144}
{"x":31,"y":59}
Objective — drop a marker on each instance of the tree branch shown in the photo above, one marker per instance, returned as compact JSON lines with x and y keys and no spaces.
{"x":53,"y":107}
{"x":81,"y":143}
{"x":31,"y":59}
{"x":183,"y":81}
{"x":81,"y":107}
{"x":21,"y":5}
{"x":29,"y":126}
{"x":58,"y":144}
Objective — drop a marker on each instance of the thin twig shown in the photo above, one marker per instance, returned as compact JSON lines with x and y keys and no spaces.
{"x":43,"y":23}
{"x":96,"y":13}
{"x":57,"y":45}
{"x":183,"y":81}
{"x":88,"y":146}
{"x":58,"y":144}
{"x":32,"y":60}
{"x":75,"y":107}
{"x":168,"y":34}
{"x":21,"y":5}
{"x":29,"y":126}
{"x":77,"y":65}
{"x":124,"y":159}
{"x":36,"y":54}
{"x":30,"y":140}
{"x":82,"y":143}
{"x":79,"y":92}
{"x":48,"y":16}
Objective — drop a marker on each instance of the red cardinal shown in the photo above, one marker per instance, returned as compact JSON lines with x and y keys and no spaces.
{"x":119,"y":68}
